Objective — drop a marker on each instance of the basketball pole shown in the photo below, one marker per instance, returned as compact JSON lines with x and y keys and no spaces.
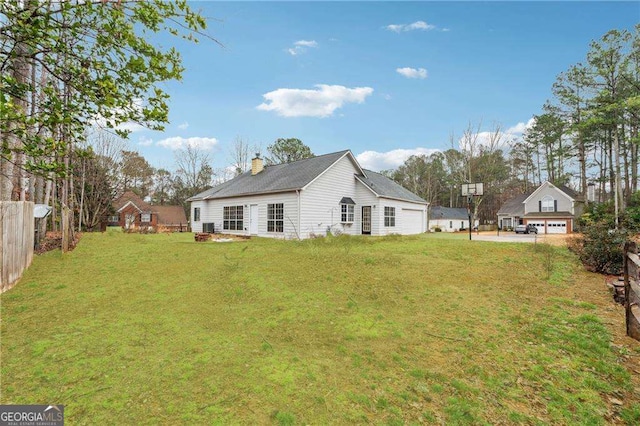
{"x":469,"y":199}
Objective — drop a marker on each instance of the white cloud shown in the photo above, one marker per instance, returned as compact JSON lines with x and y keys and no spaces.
{"x":389,"y":160}
{"x":418,"y":25}
{"x":387,"y":97}
{"x":178,"y":142}
{"x":301,"y":46}
{"x":445,"y":30}
{"x":130,"y":126}
{"x":412,"y":72}
{"x":183,"y":126}
{"x":521,"y":127}
{"x":320,"y":102}
{"x":306,"y":43}
{"x":144,"y":141}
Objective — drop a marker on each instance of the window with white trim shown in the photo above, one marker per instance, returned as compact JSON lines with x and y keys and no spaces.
{"x":347,"y":213}
{"x":389,"y":216}
{"x":145,"y":217}
{"x":232,"y":218}
{"x":275,"y":217}
{"x":196,"y":214}
{"x":547,"y":204}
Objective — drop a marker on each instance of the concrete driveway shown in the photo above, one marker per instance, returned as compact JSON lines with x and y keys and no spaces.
{"x":512,"y":237}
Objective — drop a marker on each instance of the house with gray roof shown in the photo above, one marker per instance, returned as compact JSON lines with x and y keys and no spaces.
{"x":449,"y":219}
{"x":552,"y":209}
{"x":328,"y":193}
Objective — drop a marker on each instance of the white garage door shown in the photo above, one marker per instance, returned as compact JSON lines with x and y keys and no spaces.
{"x":413,"y":222}
{"x":539,"y":226}
{"x":556,"y":227}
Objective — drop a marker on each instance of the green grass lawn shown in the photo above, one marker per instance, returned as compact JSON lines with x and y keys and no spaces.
{"x":158,"y":329}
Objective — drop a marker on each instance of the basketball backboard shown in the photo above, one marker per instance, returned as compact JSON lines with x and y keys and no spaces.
{"x":476,"y":189}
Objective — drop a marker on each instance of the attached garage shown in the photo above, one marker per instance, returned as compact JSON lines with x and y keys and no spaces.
{"x":413,"y":221}
{"x":547,"y":226}
{"x":539,"y":226}
{"x":556,"y":227}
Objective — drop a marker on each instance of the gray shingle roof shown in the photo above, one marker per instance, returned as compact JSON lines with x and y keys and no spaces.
{"x":514,"y":206}
{"x":385,"y":187}
{"x":298,"y":174}
{"x":570,"y":192}
{"x":276,"y":178}
{"x":548,"y":214}
{"x":439,"y":212}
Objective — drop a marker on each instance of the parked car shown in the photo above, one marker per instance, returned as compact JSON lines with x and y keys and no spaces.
{"x":526,"y":229}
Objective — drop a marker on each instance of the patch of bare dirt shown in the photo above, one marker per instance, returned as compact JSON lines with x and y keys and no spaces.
{"x":220,"y":237}
{"x":53,"y":241}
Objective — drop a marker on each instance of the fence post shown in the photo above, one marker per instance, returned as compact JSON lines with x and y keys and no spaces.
{"x":16,"y":240}
{"x":627,"y":285}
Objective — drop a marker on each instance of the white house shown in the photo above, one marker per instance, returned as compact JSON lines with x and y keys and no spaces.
{"x":449,"y":219}
{"x":327,"y":193}
{"x":552,"y":209}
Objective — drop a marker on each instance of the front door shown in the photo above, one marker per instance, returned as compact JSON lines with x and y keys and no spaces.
{"x":253,"y":219}
{"x":129,"y":220}
{"x":366,"y":220}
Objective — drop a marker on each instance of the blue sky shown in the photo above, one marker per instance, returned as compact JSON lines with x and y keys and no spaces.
{"x":383,"y":79}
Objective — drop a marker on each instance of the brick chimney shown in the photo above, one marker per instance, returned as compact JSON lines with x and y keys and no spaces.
{"x":256,"y":165}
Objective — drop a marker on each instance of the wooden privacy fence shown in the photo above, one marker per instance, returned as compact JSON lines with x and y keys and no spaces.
{"x":16,"y":233}
{"x":632,"y":289}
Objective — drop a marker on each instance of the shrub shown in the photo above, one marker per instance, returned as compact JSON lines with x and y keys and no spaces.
{"x":601,"y":247}
{"x":437,"y":229}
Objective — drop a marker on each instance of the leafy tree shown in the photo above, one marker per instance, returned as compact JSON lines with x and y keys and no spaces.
{"x":98,"y":167}
{"x":573,"y":89}
{"x":288,"y":150}
{"x":423,"y":175}
{"x":96,"y":190}
{"x":137,"y":173}
{"x":162,"y":186}
{"x":94,"y":63}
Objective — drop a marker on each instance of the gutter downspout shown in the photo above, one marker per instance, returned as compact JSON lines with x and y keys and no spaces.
{"x":299,"y":214}
{"x":426,"y":211}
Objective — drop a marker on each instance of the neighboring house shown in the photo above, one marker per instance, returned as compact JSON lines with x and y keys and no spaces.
{"x":511,"y":213}
{"x":132,"y":212}
{"x":327,"y":193}
{"x":551,"y":209}
{"x":449,"y":219}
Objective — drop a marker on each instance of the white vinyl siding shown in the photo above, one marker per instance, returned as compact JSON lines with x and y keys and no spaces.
{"x":212,"y":212}
{"x":196,"y":216}
{"x":402,"y":221}
{"x":563,"y":200}
{"x":320,"y":201}
{"x":320,"y":208}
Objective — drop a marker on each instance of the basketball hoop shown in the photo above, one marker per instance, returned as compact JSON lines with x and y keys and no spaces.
{"x":471,"y":190}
